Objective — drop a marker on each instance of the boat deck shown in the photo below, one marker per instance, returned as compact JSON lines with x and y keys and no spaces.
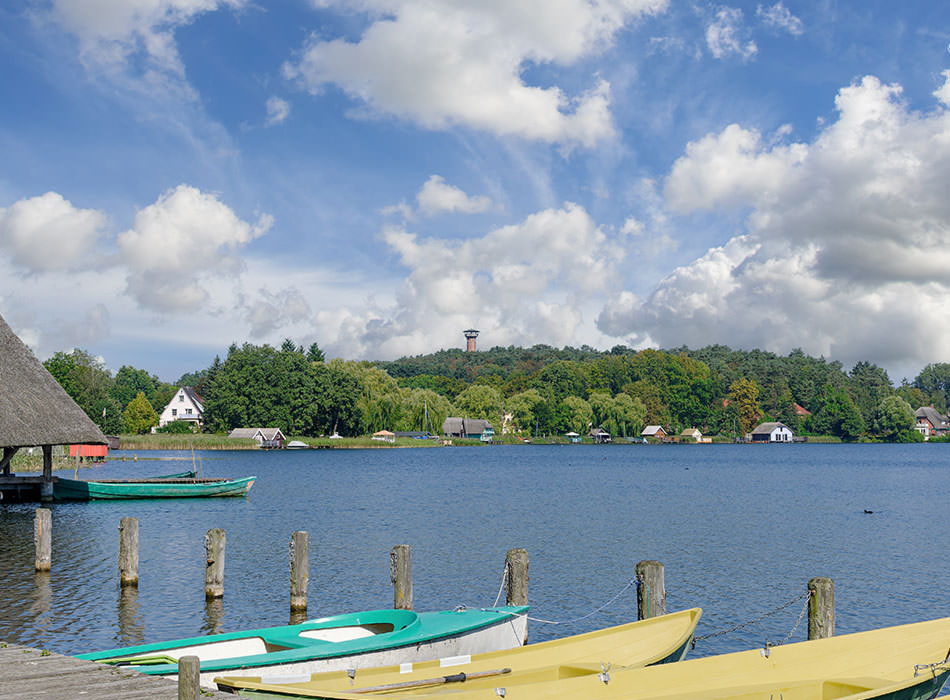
{"x":33,"y":674}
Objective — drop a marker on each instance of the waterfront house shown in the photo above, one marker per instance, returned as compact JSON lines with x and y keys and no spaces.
{"x":930,"y":422}
{"x":35,"y":411}
{"x":771,"y":432}
{"x":653,"y":431}
{"x":691,"y":435}
{"x":268,"y":438}
{"x":473,"y":428}
{"x":185,"y":405}
{"x":600,"y":436}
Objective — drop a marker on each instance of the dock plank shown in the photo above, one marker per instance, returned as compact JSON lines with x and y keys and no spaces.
{"x":34,"y":674}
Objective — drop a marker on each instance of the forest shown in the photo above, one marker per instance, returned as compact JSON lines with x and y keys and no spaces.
{"x":534,"y":391}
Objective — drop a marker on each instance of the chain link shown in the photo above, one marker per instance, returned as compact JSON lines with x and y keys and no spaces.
{"x":742,"y":625}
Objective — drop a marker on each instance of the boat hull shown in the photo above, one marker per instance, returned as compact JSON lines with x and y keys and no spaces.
{"x":77,"y":490}
{"x":340,"y":642}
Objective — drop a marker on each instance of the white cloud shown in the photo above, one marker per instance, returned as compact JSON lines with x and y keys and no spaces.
{"x":724,"y":35}
{"x":459,"y":63}
{"x":436,"y":198}
{"x":185,"y":236}
{"x":48,"y":233}
{"x":780,"y":17}
{"x":277,"y":110}
{"x":943,"y":92}
{"x":110,"y":31}
{"x":847,"y":241}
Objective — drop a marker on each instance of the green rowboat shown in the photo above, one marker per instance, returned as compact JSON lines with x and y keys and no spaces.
{"x":184,"y":485}
{"x":348,"y":641}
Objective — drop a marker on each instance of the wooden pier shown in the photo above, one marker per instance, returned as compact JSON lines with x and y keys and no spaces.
{"x":34,"y":674}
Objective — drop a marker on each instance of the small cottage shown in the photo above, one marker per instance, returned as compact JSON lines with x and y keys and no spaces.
{"x":599,"y":436}
{"x":691,"y":435}
{"x":185,"y":405}
{"x":474,"y":428}
{"x":930,"y":422}
{"x":771,"y":432}
{"x":268,"y":438}
{"x":653,"y":431}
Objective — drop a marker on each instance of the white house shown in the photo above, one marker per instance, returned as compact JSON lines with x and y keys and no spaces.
{"x":185,"y":405}
{"x":772,"y":432}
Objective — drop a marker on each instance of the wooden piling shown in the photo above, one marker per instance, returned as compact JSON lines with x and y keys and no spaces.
{"x":46,"y":487}
{"x":43,"y":539}
{"x":299,"y":569}
{"x":189,"y":675}
{"x":821,"y":608}
{"x":400,"y":571}
{"x":129,"y":552}
{"x":516,"y":577}
{"x":214,"y":566}
{"x":651,"y":589}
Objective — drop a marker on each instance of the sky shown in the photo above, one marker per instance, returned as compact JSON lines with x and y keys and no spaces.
{"x":377,"y":176}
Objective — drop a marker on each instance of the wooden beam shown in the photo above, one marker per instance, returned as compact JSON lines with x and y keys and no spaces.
{"x":8,"y":453}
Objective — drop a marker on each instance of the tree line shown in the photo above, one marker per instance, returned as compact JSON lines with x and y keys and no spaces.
{"x":539,"y":390}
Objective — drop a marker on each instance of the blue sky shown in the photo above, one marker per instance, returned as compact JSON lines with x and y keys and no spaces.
{"x":378,"y":175}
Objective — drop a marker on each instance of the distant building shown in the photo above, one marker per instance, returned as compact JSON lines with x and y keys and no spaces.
{"x":467,"y":428}
{"x":470,"y":335}
{"x":801,"y":411}
{"x":185,"y":405}
{"x":600,"y":436}
{"x":930,"y":422}
{"x":771,"y":432}
{"x":268,"y":438}
{"x":653,"y":431}
{"x":691,"y":435}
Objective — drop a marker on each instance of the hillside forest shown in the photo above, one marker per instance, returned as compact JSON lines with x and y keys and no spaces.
{"x":533,"y":391}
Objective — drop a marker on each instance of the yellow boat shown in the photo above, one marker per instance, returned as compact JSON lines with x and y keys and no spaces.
{"x":657,"y":640}
{"x":908,"y":662}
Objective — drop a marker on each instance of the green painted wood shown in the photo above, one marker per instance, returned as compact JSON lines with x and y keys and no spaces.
{"x":159,"y":487}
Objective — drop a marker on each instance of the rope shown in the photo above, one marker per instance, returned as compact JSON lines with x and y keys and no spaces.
{"x":742,"y":625}
{"x":504,"y":576}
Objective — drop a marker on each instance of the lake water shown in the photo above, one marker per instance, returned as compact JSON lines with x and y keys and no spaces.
{"x":739,"y":528}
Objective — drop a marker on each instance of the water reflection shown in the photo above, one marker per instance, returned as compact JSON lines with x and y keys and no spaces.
{"x":297,"y":617}
{"x":213,"y":617}
{"x":41,"y":600}
{"x":131,"y":625}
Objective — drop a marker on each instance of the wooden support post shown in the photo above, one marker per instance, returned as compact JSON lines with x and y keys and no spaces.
{"x":129,"y":552}
{"x":189,"y":675}
{"x":651,"y":589}
{"x":46,"y":488}
{"x":400,"y":571}
{"x":821,"y":608}
{"x":516,"y":577}
{"x":299,"y":569}
{"x":43,"y":538}
{"x":8,"y":453}
{"x":214,"y":564}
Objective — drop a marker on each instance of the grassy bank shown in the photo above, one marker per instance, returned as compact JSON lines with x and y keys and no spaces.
{"x":186,"y":441}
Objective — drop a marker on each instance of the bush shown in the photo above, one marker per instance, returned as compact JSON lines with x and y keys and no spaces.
{"x":177,"y":427}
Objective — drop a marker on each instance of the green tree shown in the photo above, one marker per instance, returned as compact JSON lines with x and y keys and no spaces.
{"x":934,"y":381}
{"x":745,"y":395}
{"x":480,"y":401}
{"x":422,"y":410}
{"x":88,"y":382}
{"x":894,"y":419}
{"x":577,"y":415}
{"x":837,"y":415}
{"x":139,"y":416}
{"x":523,"y":408}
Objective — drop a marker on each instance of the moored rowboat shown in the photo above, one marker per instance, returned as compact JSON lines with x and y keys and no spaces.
{"x":657,"y":640}
{"x":347,"y":641}
{"x":909,"y":662}
{"x":176,"y":486}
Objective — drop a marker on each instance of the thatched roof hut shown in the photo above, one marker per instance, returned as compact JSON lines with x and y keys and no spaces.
{"x":34,"y":408}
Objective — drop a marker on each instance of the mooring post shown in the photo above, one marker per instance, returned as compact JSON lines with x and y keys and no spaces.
{"x":821,"y":608}
{"x":516,"y":577}
{"x":400,"y":571}
{"x":46,"y":487}
{"x":214,"y":566}
{"x":651,"y":589}
{"x":129,"y":552}
{"x":43,"y":538}
{"x":299,"y":569}
{"x":189,"y":675}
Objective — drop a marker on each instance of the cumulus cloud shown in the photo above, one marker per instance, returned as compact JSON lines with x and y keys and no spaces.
{"x":110,"y":31}
{"x":517,"y":283}
{"x":48,"y":233}
{"x":436,"y":197}
{"x":277,"y":110}
{"x":846,"y":245}
{"x":780,"y":17}
{"x":449,"y":64}
{"x":184,"y":237}
{"x":272,"y":311}
{"x":724,"y":35}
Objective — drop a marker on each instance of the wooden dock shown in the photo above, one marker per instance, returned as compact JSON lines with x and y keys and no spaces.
{"x":33,"y":674}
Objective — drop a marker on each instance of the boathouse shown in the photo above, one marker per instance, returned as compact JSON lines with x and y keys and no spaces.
{"x":268,"y":438}
{"x":467,"y":428}
{"x":772,"y":432}
{"x":34,"y":411}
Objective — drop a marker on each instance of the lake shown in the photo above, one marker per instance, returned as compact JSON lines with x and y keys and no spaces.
{"x":739,"y":528}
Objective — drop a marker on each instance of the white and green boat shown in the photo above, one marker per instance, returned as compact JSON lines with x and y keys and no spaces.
{"x":340,"y":642}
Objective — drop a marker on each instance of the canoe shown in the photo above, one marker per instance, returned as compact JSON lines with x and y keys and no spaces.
{"x":351,"y":640}
{"x":173,"y":486}
{"x":909,"y":662}
{"x":658,"y":640}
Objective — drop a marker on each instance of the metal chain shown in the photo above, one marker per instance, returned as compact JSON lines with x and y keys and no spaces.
{"x":742,"y":625}
{"x":801,"y":616}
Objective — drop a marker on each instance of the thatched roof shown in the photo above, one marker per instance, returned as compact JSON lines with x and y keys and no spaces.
{"x":34,"y":408}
